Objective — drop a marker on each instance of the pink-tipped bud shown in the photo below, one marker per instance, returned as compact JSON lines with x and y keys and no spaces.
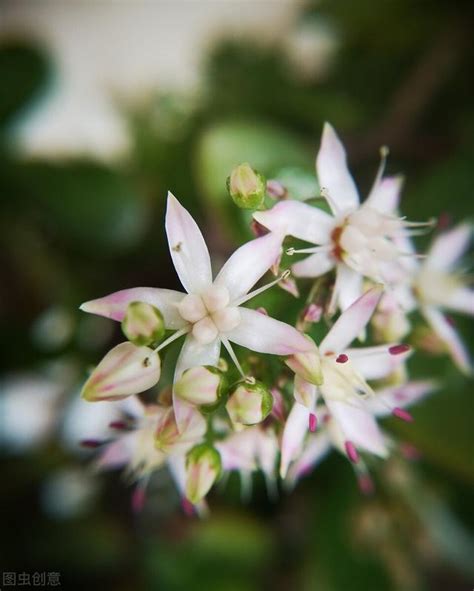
{"x":402,"y":414}
{"x":410,"y":452}
{"x":188,"y":507}
{"x":366,"y":484}
{"x":278,"y":408}
{"x":313,"y":422}
{"x":169,"y":438}
{"x":138,"y":499}
{"x":249,"y":404}
{"x":262,"y":310}
{"x":124,"y":371}
{"x":399,"y":349}
{"x":312,"y":313}
{"x":143,"y":324}
{"x":342,"y":358}
{"x":200,"y":385}
{"x":351,"y":452}
{"x":203,"y":467}
{"x":276,"y":190}
{"x":247,"y":187}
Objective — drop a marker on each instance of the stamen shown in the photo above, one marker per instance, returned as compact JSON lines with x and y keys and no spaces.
{"x":291,"y":251}
{"x":351,"y":452}
{"x":399,"y":349}
{"x":342,"y":358}
{"x":173,"y":337}
{"x":402,"y":414}
{"x":187,"y":506}
{"x":91,"y":443}
{"x":384,"y":152}
{"x":428,"y":224}
{"x":313,"y":422}
{"x":119,"y":425}
{"x":260,"y":290}
{"x":332,"y":204}
{"x":233,"y":356}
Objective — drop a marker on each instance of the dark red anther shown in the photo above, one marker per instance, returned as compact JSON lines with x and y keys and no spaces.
{"x":342,"y":358}
{"x":399,"y":349}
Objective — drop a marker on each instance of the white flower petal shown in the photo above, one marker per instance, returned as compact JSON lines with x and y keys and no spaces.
{"x":385,"y":195}
{"x":248,"y":263}
{"x":187,"y":248}
{"x":298,"y":219}
{"x":461,"y":300}
{"x":399,"y":396}
{"x":358,"y":425}
{"x":263,"y":334}
{"x":375,"y":363}
{"x":448,"y":334}
{"x":351,"y":323}
{"x":333,"y":174}
{"x":348,"y":285}
{"x":315,"y":265}
{"x":449,"y":247}
{"x":305,"y":393}
{"x":115,"y":304}
{"x":296,"y":429}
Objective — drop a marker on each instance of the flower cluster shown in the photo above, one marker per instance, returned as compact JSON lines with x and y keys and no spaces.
{"x":209,"y":416}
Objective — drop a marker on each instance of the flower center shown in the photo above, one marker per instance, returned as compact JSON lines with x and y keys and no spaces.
{"x":341,"y":381}
{"x":209,"y":313}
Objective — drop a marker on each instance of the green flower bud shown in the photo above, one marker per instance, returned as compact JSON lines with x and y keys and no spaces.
{"x":143,"y":324}
{"x":124,"y":371}
{"x":203,"y":467}
{"x":200,"y":385}
{"x":249,"y":404}
{"x":246,"y":187}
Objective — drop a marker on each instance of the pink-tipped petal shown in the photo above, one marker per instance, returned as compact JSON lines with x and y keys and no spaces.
{"x":187,"y":248}
{"x":114,"y":306}
{"x":298,"y":219}
{"x":351,"y":323}
{"x":248,"y":264}
{"x":400,"y":396}
{"x":118,"y":453}
{"x":385,"y":195}
{"x":264,"y":334}
{"x":333,"y":174}
{"x":375,"y":363}
{"x":449,"y":247}
{"x":315,"y":450}
{"x":294,"y":434}
{"x":358,"y":426}
{"x":315,"y":265}
{"x":442,"y":327}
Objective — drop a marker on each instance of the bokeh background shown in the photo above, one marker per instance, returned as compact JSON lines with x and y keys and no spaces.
{"x":104,"y":106}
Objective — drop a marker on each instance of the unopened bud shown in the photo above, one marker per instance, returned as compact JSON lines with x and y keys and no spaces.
{"x":249,"y":404}
{"x":203,"y":467}
{"x":124,"y":371}
{"x":200,"y":385}
{"x":143,"y":324}
{"x":276,"y":190}
{"x":307,"y":366}
{"x":246,"y":187}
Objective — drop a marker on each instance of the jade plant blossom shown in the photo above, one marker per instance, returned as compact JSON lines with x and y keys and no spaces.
{"x":438,"y":286}
{"x":358,"y":240}
{"x":211,"y":312}
{"x":339,"y":375}
{"x":134,"y":447}
{"x":303,"y":450}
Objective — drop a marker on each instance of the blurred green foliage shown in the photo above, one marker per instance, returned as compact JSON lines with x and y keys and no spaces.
{"x":74,"y":229}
